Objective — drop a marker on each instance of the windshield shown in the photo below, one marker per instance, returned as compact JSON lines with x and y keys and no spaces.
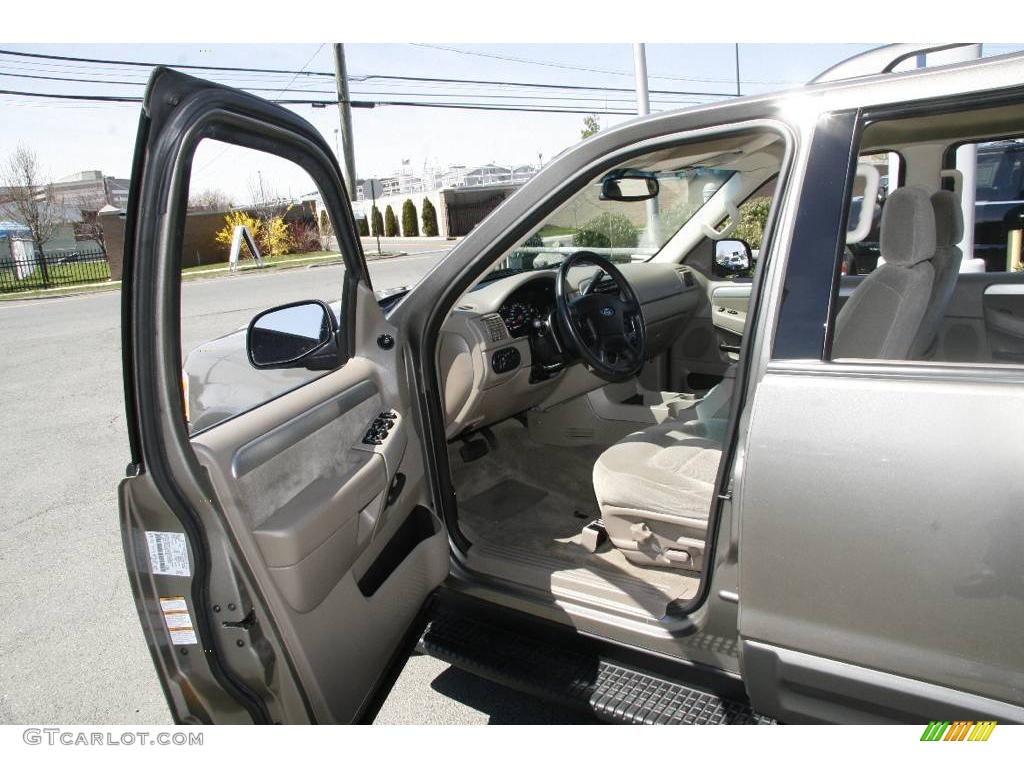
{"x":622,"y":230}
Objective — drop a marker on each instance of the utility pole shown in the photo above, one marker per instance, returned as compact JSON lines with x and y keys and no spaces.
{"x":737,"y":50}
{"x":348,"y":164}
{"x":643,"y":107}
{"x":643,"y":100}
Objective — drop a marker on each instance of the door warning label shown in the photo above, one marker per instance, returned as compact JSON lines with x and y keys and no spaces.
{"x":178,"y":620}
{"x":168,"y":554}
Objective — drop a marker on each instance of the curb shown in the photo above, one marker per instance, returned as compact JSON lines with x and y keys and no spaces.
{"x":87,"y":289}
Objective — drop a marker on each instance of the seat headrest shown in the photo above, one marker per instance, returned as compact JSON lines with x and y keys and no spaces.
{"x":949,"y":218}
{"x":908,"y":227}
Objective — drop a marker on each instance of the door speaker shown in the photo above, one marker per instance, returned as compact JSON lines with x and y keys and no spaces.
{"x":696,"y":343}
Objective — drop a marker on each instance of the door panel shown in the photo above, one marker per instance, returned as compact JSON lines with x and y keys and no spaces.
{"x":729,"y":314}
{"x":308,"y":554}
{"x":1004,"y":321}
{"x":705,"y":350}
{"x":307,"y":501}
{"x":984,"y":322}
{"x":916,"y":573}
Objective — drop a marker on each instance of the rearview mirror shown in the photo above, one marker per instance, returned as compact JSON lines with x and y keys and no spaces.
{"x":732,"y":256}
{"x":299,"y":335}
{"x":629,"y":185}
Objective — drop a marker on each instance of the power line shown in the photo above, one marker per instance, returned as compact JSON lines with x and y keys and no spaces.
{"x":354,"y":103}
{"x":556,"y":86}
{"x":308,"y":62}
{"x":368,"y":94}
{"x":73,"y":96}
{"x":363,"y":78}
{"x":210,"y":67}
{"x":559,"y":65}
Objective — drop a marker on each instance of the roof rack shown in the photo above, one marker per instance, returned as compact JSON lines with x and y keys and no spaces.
{"x":880,"y":60}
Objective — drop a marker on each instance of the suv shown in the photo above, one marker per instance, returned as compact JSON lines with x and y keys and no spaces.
{"x":609,"y":476}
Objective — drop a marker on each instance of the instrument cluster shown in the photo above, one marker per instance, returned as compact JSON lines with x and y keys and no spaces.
{"x":533,"y":301}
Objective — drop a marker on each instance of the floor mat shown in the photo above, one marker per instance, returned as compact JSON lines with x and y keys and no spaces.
{"x":504,"y":500}
{"x":527,"y":534}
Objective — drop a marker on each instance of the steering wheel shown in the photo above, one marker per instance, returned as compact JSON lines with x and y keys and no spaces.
{"x":606,"y":328}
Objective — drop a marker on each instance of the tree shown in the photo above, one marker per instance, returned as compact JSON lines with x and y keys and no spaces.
{"x":753,"y":218}
{"x":264,"y":200}
{"x":410,"y":228}
{"x":362,"y":227}
{"x":429,"y":216}
{"x":390,"y":222}
{"x":89,"y":228}
{"x":590,"y":126}
{"x":210,"y":199}
{"x":31,"y":201}
{"x":376,"y":222}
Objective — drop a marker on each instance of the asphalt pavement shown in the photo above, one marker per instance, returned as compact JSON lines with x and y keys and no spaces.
{"x":71,"y":647}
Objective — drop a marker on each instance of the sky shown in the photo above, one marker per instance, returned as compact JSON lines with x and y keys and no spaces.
{"x":74,"y":136}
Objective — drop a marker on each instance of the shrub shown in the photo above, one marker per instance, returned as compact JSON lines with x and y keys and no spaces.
{"x":363,"y":227}
{"x":272,"y":236}
{"x":410,"y":228}
{"x":534,"y":241}
{"x":609,"y":230}
{"x":239,"y":219}
{"x":304,"y":236}
{"x":326,"y":230}
{"x":274,"y":239}
{"x":376,"y":222}
{"x":429,"y":216}
{"x":390,"y":222}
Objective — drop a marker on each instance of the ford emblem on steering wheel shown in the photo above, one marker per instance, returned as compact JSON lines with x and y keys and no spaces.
{"x":607,"y":311}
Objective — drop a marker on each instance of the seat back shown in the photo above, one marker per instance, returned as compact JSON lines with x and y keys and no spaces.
{"x":881,"y":318}
{"x":949,"y":229}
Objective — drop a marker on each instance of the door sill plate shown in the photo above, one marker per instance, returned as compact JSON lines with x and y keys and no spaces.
{"x":608,"y":690}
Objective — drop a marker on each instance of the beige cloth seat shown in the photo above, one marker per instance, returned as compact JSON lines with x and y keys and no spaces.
{"x":654,"y":488}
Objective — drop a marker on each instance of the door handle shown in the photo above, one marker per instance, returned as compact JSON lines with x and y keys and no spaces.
{"x":732,"y":348}
{"x":1004,"y":321}
{"x":395,"y":490}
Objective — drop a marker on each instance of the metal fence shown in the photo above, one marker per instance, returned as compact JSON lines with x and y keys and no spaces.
{"x":55,"y":269}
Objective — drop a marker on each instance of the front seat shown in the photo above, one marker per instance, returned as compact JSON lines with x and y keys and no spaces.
{"x":882,"y":316}
{"x":654,"y":487}
{"x":949,"y":229}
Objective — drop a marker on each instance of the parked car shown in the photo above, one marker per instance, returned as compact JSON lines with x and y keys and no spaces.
{"x":643,"y":490}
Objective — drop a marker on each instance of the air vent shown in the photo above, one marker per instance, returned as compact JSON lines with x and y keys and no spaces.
{"x":686,"y":275}
{"x":495,"y":326}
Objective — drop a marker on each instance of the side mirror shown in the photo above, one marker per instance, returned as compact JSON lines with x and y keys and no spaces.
{"x":629,"y":186}
{"x":299,"y":335}
{"x":732,"y":256}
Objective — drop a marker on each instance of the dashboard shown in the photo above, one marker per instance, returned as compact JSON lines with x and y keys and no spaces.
{"x":533,"y":301}
{"x":496,"y":360}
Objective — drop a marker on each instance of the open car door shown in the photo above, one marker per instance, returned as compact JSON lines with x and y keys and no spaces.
{"x":280,"y":559}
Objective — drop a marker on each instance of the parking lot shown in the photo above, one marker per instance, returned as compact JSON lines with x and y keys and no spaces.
{"x":71,"y":648}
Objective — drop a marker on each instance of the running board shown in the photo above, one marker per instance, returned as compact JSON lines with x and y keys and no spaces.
{"x":606,"y":689}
